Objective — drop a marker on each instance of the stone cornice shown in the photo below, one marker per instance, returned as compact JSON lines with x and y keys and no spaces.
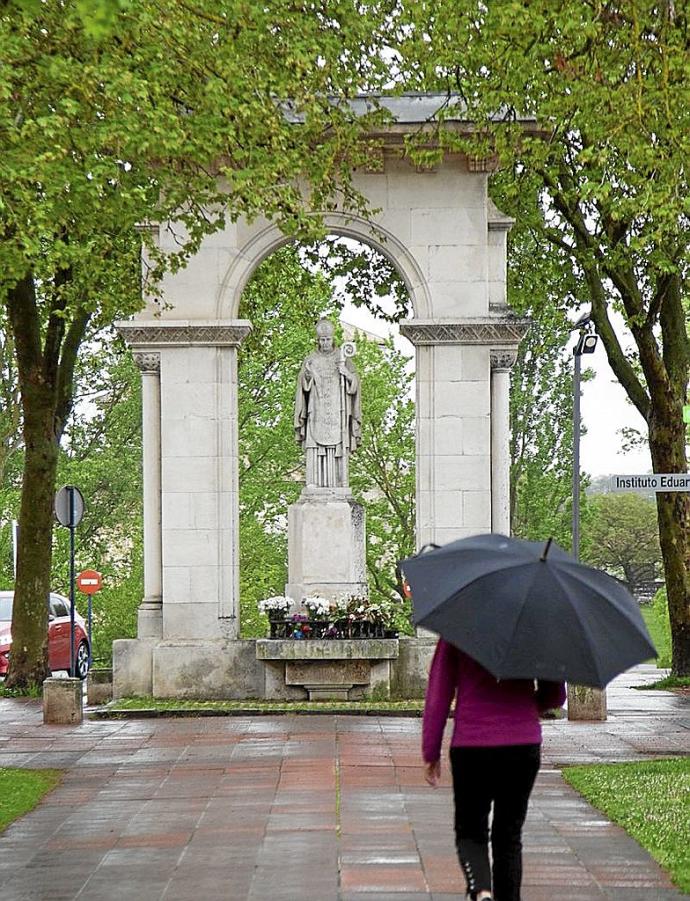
{"x":507,"y":330}
{"x":181,"y":333}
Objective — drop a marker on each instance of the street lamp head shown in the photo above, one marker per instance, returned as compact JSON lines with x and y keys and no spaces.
{"x":586,"y":344}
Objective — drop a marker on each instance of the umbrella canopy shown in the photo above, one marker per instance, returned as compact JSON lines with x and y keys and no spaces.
{"x":528,"y":610}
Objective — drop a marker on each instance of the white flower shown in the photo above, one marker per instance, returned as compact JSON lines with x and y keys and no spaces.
{"x":277,"y":602}
{"x":317,"y":605}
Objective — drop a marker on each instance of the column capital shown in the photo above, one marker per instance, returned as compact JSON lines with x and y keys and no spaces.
{"x":502,"y":358}
{"x":148,"y":334}
{"x":501,"y":330}
{"x":147,"y":361}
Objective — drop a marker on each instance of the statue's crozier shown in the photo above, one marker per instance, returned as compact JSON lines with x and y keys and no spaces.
{"x":327,"y":411}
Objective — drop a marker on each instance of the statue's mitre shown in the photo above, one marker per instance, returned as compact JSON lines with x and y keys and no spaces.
{"x":324,"y":328}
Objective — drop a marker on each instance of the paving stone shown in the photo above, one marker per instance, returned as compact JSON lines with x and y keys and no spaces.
{"x":322,"y":808}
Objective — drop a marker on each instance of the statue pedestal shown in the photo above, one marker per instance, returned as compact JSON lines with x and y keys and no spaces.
{"x":326,"y":542}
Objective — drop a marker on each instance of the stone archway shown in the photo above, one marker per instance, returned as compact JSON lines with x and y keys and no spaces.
{"x":448,"y":241}
{"x":268,"y":238}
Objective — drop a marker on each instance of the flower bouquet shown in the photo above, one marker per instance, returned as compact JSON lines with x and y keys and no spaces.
{"x":318,"y":607}
{"x":276,"y":607}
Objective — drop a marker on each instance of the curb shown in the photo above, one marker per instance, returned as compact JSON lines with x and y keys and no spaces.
{"x":180,"y":712}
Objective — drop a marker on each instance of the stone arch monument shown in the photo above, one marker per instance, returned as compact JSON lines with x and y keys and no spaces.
{"x":448,"y":241}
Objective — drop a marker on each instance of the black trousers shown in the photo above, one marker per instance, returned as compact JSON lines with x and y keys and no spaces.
{"x":502,"y":777}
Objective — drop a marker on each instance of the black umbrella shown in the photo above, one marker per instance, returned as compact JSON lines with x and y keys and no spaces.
{"x":528,"y":610}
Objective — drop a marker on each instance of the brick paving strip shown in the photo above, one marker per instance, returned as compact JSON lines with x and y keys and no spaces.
{"x":305,"y":807}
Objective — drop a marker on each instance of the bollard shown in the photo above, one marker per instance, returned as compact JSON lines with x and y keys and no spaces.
{"x":586,"y":703}
{"x":63,"y":701}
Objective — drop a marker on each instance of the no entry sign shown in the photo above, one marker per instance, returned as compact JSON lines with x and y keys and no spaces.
{"x":89,"y":581}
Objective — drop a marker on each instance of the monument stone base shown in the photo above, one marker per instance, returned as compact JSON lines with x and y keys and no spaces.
{"x":251,"y":668}
{"x":326,"y":545}
{"x":338,"y":670}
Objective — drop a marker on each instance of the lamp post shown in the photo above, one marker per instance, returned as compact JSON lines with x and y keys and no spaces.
{"x":583,"y":703}
{"x":586,"y":344}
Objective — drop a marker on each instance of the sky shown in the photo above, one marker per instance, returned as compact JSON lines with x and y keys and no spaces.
{"x":605,"y":410}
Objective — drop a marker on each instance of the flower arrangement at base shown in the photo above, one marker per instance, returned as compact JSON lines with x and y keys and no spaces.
{"x":318,"y":607}
{"x":360,"y":617}
{"x":276,"y":607}
{"x":351,"y":616}
{"x":299,"y":624}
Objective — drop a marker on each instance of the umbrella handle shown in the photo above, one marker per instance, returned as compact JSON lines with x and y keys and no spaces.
{"x":546,"y":550}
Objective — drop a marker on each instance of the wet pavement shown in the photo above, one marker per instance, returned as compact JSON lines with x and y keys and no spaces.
{"x":295,"y":807}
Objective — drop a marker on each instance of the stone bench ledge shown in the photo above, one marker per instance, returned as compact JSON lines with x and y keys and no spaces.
{"x":327,"y":649}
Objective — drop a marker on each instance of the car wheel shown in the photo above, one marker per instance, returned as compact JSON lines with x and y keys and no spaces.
{"x":81,"y":663}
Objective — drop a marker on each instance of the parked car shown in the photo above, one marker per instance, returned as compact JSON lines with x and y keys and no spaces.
{"x":58,"y":635}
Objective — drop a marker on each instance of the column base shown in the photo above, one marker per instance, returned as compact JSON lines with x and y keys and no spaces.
{"x":150,"y":619}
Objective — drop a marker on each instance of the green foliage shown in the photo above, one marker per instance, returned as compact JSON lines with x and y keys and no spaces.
{"x":382,"y":472}
{"x":650,"y":801}
{"x":541,"y":403}
{"x":657,"y":620}
{"x":668,"y":683}
{"x":102,"y":457}
{"x":283,"y":301}
{"x":622,"y":537}
{"x":21,"y":791}
{"x":31,"y":691}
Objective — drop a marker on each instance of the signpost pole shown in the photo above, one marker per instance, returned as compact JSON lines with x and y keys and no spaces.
{"x":72,"y":518}
{"x":89,"y":581}
{"x":69,"y":509}
{"x":89,"y":626}
{"x":576,"y":455}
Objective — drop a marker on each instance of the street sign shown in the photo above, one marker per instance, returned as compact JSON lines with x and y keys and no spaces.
{"x":69,"y":506}
{"x":89,"y":581}
{"x":653,"y":481}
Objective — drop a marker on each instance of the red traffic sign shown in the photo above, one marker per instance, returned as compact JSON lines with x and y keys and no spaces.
{"x":89,"y":581}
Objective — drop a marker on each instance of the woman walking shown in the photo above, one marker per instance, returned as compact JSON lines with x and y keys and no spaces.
{"x":494,"y":757}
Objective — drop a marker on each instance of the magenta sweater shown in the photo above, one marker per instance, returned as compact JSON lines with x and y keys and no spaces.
{"x":487,"y":712}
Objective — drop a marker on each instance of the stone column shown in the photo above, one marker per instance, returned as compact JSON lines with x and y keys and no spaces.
{"x":457,"y":402}
{"x":191,"y":480}
{"x":501,"y":362}
{"x":150,"y":618}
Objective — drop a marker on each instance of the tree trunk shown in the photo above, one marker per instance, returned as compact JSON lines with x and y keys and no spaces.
{"x":29,"y":653}
{"x":667,"y":446}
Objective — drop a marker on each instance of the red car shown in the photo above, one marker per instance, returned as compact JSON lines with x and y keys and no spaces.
{"x":58,"y":635}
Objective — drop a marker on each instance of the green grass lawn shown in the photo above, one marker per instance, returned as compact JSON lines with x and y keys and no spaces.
{"x":21,"y":790}
{"x":656,"y":619}
{"x":400,"y":708}
{"x":650,"y":800}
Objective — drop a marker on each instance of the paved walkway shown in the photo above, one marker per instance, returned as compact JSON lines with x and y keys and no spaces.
{"x":295,"y":807}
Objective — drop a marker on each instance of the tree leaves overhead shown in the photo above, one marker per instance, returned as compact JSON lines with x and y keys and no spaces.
{"x":97,"y":135}
{"x":587,"y":108}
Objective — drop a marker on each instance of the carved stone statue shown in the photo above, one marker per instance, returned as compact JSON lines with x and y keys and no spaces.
{"x":328,"y":410}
